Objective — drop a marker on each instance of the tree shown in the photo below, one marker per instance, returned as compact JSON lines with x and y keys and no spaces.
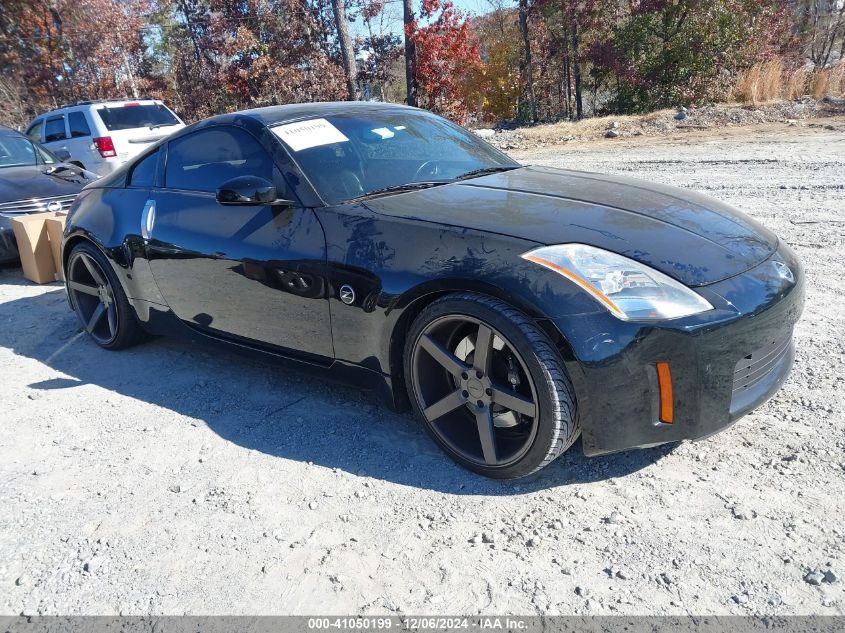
{"x":380,"y":48}
{"x":224,"y":56}
{"x":410,"y":22}
{"x":525,"y":68}
{"x":50,"y":55}
{"x":347,"y":51}
{"x":668,"y":53}
{"x":499,"y":81}
{"x":822,"y":25}
{"x":447,"y":57}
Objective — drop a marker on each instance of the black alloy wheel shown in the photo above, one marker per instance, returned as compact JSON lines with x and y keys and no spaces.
{"x":481,"y":376}
{"x":98,"y":299}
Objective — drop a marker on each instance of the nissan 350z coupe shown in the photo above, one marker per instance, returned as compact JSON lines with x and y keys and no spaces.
{"x":512,"y":307}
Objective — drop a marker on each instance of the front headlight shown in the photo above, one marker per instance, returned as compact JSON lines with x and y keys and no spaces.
{"x":630,"y":290}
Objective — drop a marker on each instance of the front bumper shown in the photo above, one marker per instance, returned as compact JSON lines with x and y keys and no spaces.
{"x":724,"y":363}
{"x":8,"y":244}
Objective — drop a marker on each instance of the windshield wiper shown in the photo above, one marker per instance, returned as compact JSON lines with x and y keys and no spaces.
{"x":154,"y":126}
{"x":409,"y":186}
{"x":484,"y":171}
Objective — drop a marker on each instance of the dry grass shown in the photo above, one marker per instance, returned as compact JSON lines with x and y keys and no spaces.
{"x":819,"y":83}
{"x":796,"y":83}
{"x":836,"y":80}
{"x":587,"y":128}
{"x":761,"y":83}
{"x":771,"y":81}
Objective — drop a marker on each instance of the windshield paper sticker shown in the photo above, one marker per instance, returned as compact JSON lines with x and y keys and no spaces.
{"x":312,"y":133}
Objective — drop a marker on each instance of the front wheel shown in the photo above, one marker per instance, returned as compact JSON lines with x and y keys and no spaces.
{"x":489,"y":386}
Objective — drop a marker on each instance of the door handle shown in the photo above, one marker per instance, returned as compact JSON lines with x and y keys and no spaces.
{"x":148,"y":219}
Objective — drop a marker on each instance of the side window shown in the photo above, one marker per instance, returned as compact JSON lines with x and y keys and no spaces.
{"x":206,"y":159}
{"x":34,"y":131}
{"x":54,"y":130}
{"x":144,"y":172}
{"x":78,"y":125}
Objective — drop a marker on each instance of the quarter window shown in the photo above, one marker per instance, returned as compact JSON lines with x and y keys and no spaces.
{"x":144,"y":172}
{"x":34,"y":132}
{"x":206,"y":159}
{"x":55,"y":130}
{"x":78,"y":125}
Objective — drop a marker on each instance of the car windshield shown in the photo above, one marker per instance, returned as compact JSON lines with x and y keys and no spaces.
{"x":346,"y":156}
{"x":132,"y":116}
{"x":16,"y":151}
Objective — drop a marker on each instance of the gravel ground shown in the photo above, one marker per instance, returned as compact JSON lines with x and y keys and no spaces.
{"x":169,"y":480}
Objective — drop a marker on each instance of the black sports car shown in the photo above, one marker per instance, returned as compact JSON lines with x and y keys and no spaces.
{"x":32,"y":180}
{"x":512,"y":307}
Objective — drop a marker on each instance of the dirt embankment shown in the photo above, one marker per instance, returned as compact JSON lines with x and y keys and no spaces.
{"x":699,"y":122}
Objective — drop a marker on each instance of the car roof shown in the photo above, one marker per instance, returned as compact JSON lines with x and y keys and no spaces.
{"x":272,"y":115}
{"x":7,"y":131}
{"x":97,"y":104}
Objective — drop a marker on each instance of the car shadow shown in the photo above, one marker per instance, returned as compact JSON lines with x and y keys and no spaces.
{"x":270,"y":408}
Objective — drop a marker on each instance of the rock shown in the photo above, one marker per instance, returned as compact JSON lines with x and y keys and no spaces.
{"x":615,"y":518}
{"x":485,"y":133}
{"x":534,"y":541}
{"x":487,"y":537}
{"x":611,"y":134}
{"x":93,"y":564}
{"x":175,"y":488}
{"x":814,"y":578}
{"x":742,"y":513}
{"x":622,"y":574}
{"x":21,"y":580}
{"x":313,"y":505}
{"x":475,"y":539}
{"x":614,"y":125}
{"x":740,"y":598}
{"x":830,"y":576}
{"x":681,"y":116}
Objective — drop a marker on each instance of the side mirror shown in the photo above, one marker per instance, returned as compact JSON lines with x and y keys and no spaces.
{"x":249,"y":190}
{"x":62,"y":154}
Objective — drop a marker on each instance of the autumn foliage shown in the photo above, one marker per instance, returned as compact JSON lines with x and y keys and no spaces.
{"x":447,"y":57}
{"x":563,"y":59}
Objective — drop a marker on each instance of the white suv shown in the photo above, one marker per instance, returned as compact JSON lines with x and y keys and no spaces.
{"x":102,"y":135}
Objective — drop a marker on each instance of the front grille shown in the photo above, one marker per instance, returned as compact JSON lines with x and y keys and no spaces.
{"x":36,"y":205}
{"x":753,"y":368}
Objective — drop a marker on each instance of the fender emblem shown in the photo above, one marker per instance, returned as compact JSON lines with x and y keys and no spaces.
{"x":347,"y":294}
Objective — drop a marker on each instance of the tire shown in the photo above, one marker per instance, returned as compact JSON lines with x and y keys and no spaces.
{"x":535,"y":435}
{"x":115,"y":329}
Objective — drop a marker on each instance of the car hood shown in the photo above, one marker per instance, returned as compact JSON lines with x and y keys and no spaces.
{"x":690,"y":237}
{"x":34,"y":181}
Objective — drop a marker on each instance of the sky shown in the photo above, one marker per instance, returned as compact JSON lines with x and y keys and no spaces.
{"x":394,"y":7}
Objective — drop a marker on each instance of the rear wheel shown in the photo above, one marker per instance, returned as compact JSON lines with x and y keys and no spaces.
{"x":99,"y":300}
{"x":489,"y":386}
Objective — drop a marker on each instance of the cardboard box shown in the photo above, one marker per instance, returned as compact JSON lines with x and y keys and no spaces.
{"x":34,"y":247}
{"x":55,"y":233}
